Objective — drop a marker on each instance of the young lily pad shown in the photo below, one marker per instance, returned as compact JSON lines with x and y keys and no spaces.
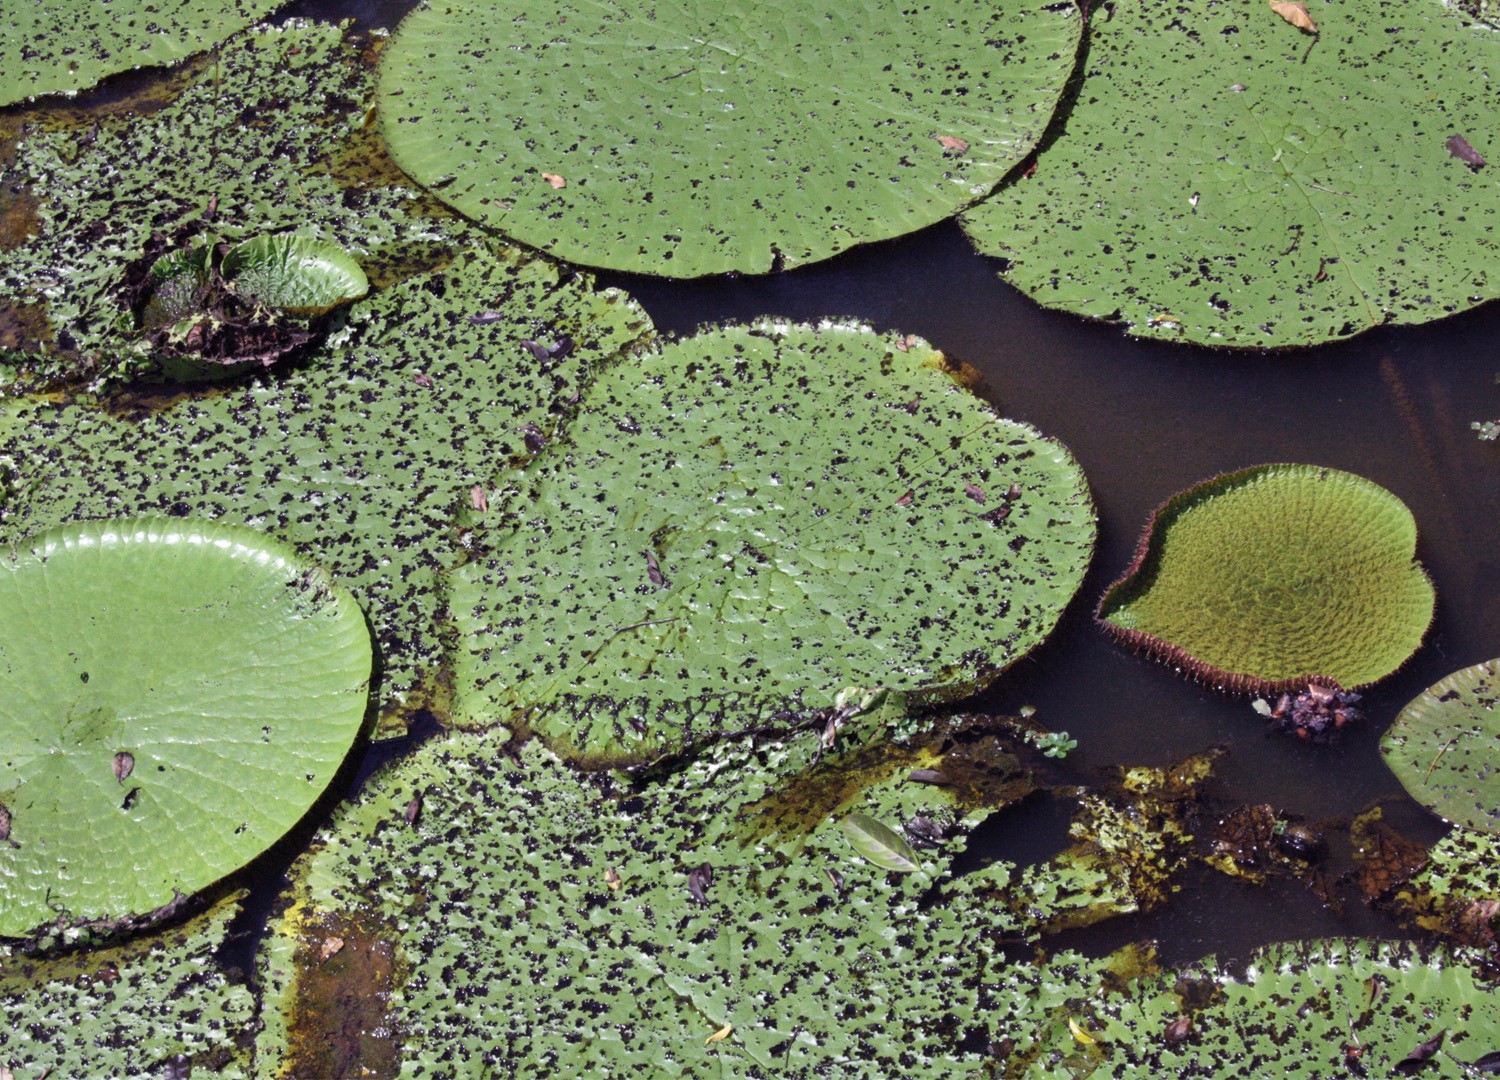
{"x":1445,"y":747}
{"x":176,"y":695}
{"x":294,"y":273}
{"x":749,"y":522}
{"x":1298,"y":1010}
{"x":691,"y":140}
{"x":49,"y":46}
{"x":1269,"y":578}
{"x":1228,"y":179}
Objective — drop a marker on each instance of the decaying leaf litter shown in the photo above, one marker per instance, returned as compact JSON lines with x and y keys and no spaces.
{"x":1052,"y":1003}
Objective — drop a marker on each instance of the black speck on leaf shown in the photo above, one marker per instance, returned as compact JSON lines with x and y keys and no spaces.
{"x":129,"y":800}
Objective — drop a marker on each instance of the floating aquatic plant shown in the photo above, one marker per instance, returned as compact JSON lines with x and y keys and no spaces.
{"x":1300,"y":1010}
{"x":1273,"y":577}
{"x":1445,"y":747}
{"x":157,"y":1005}
{"x":737,"y":529}
{"x":176,"y":694}
{"x":695,"y":140}
{"x":52,"y":46}
{"x":305,"y":165}
{"x":624,"y":926}
{"x":211,"y":308}
{"x":1225,"y":178}
{"x":365,"y":457}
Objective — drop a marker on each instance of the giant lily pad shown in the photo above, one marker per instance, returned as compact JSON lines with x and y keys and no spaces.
{"x":749,"y":522}
{"x":1445,"y":747}
{"x":688,"y":139}
{"x":1228,"y":179}
{"x":364,"y":456}
{"x":176,"y":695}
{"x":1299,"y":1010}
{"x":619,"y":930}
{"x":47,"y":46}
{"x":137,"y":1008}
{"x":1270,"y":577}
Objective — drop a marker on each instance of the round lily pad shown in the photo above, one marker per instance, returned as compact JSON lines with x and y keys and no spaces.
{"x":1274,"y":576}
{"x":745,"y":524}
{"x":1229,"y":179}
{"x":688,"y":139}
{"x":1445,"y":747}
{"x":174,"y":695}
{"x":48,"y":46}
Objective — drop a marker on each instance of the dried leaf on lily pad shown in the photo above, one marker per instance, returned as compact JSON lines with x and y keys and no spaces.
{"x":694,"y":139}
{"x":1445,"y":747}
{"x":233,"y":668}
{"x":880,"y":844}
{"x":1295,"y":12}
{"x":761,"y":466}
{"x":1268,"y":578}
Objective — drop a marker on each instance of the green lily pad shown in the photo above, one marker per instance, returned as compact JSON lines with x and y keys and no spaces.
{"x":1445,"y":747}
{"x":295,"y":273}
{"x":689,"y":140}
{"x":1264,"y":579}
{"x":129,"y":1009}
{"x":365,"y":456}
{"x":49,"y":46}
{"x":1301,"y":1010}
{"x":176,"y":694}
{"x":580,"y":938}
{"x":1225,"y":178}
{"x":749,"y":522}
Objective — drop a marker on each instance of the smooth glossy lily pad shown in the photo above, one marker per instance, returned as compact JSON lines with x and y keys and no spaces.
{"x":1445,"y":747}
{"x":1301,"y":1010}
{"x":746,"y":523}
{"x":685,"y":139}
{"x":294,"y":273}
{"x":176,"y":694}
{"x":1228,"y":179}
{"x":1264,"y":579}
{"x":48,"y":46}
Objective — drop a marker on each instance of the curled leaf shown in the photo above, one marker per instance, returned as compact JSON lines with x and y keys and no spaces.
{"x":948,"y":142}
{"x":612,"y":879}
{"x":699,"y":880}
{"x":720,"y":1035}
{"x":879,"y":844}
{"x":555,"y":180}
{"x":1459,"y":147}
{"x":1417,"y":1060}
{"x":927,"y":776}
{"x":1295,"y":12}
{"x":124,"y":764}
{"x":1078,"y":1033}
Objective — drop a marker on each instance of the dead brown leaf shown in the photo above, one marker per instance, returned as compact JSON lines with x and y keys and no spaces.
{"x":1295,"y":12}
{"x":329,"y":948}
{"x":478,"y":497}
{"x":948,"y":142}
{"x":555,"y":180}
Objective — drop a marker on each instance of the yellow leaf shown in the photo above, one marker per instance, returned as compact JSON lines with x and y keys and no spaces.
{"x":1295,"y":12}
{"x":612,"y":878}
{"x":720,"y":1035}
{"x":1079,"y":1034}
{"x":555,"y":180}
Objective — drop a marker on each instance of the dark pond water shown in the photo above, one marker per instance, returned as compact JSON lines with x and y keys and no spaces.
{"x":1145,"y":420}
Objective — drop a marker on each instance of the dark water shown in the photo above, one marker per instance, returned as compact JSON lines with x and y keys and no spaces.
{"x":1145,"y":420}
